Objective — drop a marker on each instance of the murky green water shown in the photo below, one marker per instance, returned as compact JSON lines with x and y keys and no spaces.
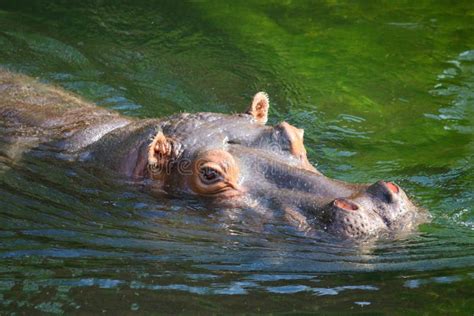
{"x":384,"y":90}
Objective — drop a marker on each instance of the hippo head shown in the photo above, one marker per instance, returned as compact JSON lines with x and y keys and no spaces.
{"x":238,"y":161}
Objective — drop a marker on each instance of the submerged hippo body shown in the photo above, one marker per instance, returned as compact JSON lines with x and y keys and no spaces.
{"x":228,"y":160}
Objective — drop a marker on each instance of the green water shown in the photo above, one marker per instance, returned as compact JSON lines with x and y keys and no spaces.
{"x":384,"y":90}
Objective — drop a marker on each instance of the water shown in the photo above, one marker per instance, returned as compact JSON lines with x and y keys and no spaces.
{"x":384,"y":91}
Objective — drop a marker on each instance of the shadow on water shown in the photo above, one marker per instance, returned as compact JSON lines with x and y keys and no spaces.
{"x":382,"y":93}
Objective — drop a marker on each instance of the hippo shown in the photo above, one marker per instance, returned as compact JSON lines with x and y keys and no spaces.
{"x":225,"y":160}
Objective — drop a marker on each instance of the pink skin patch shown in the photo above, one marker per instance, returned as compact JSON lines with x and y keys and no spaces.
{"x":392,"y":187}
{"x":346,"y":205}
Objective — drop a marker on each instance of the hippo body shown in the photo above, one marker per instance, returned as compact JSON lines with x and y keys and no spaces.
{"x":226,"y":160}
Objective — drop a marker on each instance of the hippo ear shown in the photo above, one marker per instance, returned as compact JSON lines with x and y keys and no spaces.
{"x":259,"y":107}
{"x":161,"y":153}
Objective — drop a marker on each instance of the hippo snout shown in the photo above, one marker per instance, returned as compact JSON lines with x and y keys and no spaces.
{"x":381,"y":208}
{"x":346,"y":218}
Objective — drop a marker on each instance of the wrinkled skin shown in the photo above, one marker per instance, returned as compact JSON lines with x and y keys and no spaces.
{"x":227,"y":160}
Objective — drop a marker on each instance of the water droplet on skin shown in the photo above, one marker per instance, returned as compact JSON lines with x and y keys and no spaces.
{"x":135,"y":307}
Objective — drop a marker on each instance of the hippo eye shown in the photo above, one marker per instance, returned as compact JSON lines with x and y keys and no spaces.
{"x":209,"y":175}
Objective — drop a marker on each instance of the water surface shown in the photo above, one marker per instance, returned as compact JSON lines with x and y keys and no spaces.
{"x":384,"y":91}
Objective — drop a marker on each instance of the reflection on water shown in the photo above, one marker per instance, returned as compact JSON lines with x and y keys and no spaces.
{"x":382,"y":91}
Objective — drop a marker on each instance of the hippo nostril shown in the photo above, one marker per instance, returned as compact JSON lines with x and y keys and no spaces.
{"x":384,"y":191}
{"x":345,"y":205}
{"x":392,"y":187}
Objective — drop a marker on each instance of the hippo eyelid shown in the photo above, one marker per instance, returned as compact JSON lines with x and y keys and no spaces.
{"x":233,"y":142}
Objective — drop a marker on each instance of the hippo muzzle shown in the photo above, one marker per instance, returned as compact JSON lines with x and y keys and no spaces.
{"x":382,"y":209}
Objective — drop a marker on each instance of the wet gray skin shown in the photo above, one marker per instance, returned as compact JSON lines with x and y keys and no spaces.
{"x":227,"y":160}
